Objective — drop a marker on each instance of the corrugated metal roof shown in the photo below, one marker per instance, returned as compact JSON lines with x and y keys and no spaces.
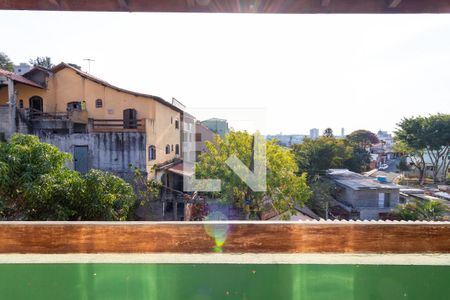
{"x":357,"y":181}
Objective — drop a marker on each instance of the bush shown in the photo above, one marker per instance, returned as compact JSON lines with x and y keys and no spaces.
{"x":36,"y":185}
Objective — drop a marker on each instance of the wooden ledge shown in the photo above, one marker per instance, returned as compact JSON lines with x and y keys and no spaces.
{"x":225,"y":237}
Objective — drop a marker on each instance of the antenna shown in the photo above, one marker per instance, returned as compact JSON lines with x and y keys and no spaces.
{"x":89,"y":63}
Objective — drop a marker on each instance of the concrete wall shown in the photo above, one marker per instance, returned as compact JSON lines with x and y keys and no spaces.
{"x":5,"y":126}
{"x":112,"y":152}
{"x":366,"y":201}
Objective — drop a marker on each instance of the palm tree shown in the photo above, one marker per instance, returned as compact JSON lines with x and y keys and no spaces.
{"x":422,"y":210}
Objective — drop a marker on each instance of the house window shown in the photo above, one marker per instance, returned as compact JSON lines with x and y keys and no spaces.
{"x":151,"y":152}
{"x":129,"y":118}
{"x":167,"y":149}
{"x":74,"y":106}
{"x":172,"y":147}
{"x":387,"y":200}
{"x":171,"y":120}
{"x":98,"y":103}
{"x":20,"y":103}
{"x":380,"y":200}
{"x":177,"y":149}
{"x":384,"y":200}
{"x":177,"y":124}
{"x":198,"y":137}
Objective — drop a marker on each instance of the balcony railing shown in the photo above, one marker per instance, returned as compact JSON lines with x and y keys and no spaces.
{"x":74,"y":116}
{"x":117,"y":125}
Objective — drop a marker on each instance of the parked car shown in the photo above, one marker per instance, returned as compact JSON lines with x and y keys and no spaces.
{"x":383,"y":167}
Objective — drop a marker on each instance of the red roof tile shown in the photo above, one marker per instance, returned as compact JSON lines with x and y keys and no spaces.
{"x":19,"y":78}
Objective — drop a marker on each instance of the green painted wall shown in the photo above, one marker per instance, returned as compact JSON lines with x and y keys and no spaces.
{"x":212,"y":281}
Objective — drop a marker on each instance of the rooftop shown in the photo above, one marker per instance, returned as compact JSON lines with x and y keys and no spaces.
{"x":357,"y":181}
{"x":18,"y":78}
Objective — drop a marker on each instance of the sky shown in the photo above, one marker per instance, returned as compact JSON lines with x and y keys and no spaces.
{"x":290,"y":72}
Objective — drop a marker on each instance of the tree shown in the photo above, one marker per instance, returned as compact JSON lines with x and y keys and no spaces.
{"x":359,"y":160}
{"x":403,"y":165}
{"x":364,"y":138}
{"x":6,"y":63}
{"x":328,"y":132}
{"x":284,"y":188}
{"x":36,"y":185}
{"x":420,"y":136}
{"x":437,"y":140}
{"x":318,"y":155}
{"x":42,"y":61}
{"x":322,"y":197}
{"x":417,"y":157}
{"x":422,"y":210}
{"x":75,"y":66}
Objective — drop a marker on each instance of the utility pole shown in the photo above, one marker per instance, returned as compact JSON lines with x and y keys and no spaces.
{"x":89,"y":63}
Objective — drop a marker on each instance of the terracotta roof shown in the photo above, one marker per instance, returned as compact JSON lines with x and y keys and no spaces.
{"x":19,"y":78}
{"x":107,"y":84}
{"x":178,"y":169}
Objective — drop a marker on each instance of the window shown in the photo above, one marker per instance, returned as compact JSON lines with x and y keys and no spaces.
{"x":171,"y":120}
{"x":74,"y":106}
{"x":198,"y":137}
{"x":20,"y":103}
{"x":129,"y":118}
{"x":384,"y":200}
{"x":177,"y":149}
{"x":98,"y":103}
{"x":172,"y":147}
{"x":177,"y":124}
{"x":151,"y":152}
{"x":167,"y":149}
{"x":380,"y":200}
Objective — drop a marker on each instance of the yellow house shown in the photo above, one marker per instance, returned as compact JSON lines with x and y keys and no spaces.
{"x":68,"y":102}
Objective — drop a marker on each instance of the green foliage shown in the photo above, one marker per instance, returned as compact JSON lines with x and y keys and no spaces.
{"x":322,"y":197}
{"x":36,"y":185}
{"x":359,"y":160}
{"x":75,"y":66}
{"x":149,"y":189}
{"x":417,"y":136}
{"x":284,"y":187}
{"x":6,"y":63}
{"x":328,"y":133}
{"x":42,"y":61}
{"x":403,"y":165}
{"x":364,"y":138}
{"x":104,"y":196}
{"x":317,"y":156}
{"x":422,"y":210}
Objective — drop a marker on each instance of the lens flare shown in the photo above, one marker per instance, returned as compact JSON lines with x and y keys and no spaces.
{"x":218,"y":232}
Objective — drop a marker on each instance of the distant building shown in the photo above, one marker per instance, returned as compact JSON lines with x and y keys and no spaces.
{"x":364,"y":197}
{"x":219,"y":126}
{"x":22,"y":68}
{"x":286,"y":140}
{"x":314,"y":133}
{"x":386,"y":138}
{"x":342,"y":132}
{"x":202,"y":135}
